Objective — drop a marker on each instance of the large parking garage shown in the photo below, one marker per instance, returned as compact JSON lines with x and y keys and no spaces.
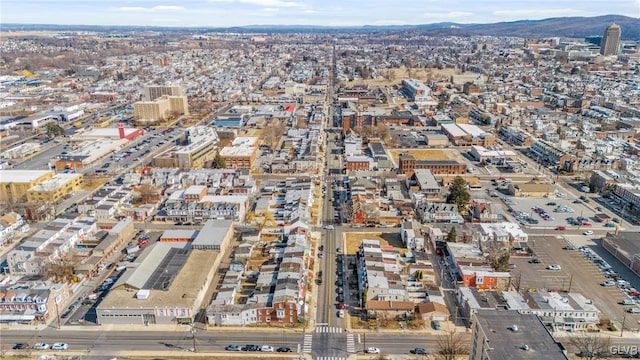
{"x":578,"y":274}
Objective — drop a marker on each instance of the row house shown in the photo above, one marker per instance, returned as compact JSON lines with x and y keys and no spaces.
{"x":31,"y":302}
{"x":231,"y":207}
{"x":378,"y":272}
{"x":434,"y":212}
{"x":503,"y":232}
{"x":10,"y":224}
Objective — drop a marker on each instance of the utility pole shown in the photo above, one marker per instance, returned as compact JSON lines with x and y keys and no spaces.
{"x":193,"y":334}
{"x":570,"y":282}
{"x":57,"y":311}
{"x":624,"y":317}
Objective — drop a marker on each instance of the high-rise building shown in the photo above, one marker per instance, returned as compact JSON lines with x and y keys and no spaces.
{"x":160,"y":108}
{"x":611,"y":40}
{"x":152,"y":92}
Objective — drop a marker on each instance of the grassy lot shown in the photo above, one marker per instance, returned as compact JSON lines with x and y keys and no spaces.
{"x":354,"y":240}
{"x":93,"y":183}
{"x":395,"y":76}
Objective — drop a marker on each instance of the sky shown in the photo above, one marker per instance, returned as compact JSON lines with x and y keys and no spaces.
{"x":225,"y":13}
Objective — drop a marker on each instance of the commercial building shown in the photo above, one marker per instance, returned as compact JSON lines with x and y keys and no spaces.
{"x":21,"y":151}
{"x":407,"y":164}
{"x":418,"y":92}
{"x":54,"y":189}
{"x":610,"y":44}
{"x":214,"y":235}
{"x":530,"y":189}
{"x":510,"y":335}
{"x":624,"y":247}
{"x":152,"y":92}
{"x":480,"y":153}
{"x":165,"y":285}
{"x":355,"y":163}
{"x":199,"y":145}
{"x":88,"y":154}
{"x":160,"y":109}
{"x":241,"y":154}
{"x":467,"y":135}
{"x":109,"y":133}
{"x":14,"y":184}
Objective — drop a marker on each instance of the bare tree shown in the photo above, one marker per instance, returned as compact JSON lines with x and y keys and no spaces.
{"x":591,"y":346}
{"x":148,"y":193}
{"x":61,"y":269}
{"x":451,"y":345}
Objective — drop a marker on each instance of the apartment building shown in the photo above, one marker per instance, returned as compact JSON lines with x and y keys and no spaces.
{"x":160,"y":108}
{"x":152,"y":92}
{"x":55,"y":188}
{"x":14,"y":184}
{"x":241,"y":154}
{"x":407,"y":164}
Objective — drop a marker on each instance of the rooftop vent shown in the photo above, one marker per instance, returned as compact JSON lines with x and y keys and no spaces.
{"x":525,"y":347}
{"x":514,"y":328}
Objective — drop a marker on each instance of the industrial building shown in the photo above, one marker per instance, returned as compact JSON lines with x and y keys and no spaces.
{"x":165,"y":285}
{"x":88,"y":154}
{"x":111,"y":133}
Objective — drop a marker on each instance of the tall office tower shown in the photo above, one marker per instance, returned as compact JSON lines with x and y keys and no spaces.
{"x":611,"y":40}
{"x":152,"y":92}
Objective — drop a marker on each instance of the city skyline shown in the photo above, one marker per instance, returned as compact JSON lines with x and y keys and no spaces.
{"x":225,"y":13}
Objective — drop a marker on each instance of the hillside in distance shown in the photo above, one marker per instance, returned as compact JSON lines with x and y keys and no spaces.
{"x":567,"y":27}
{"x":571,"y":27}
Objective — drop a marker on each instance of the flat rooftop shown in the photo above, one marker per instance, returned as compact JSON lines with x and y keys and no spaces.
{"x":181,"y":293}
{"x":506,"y":343}
{"x":21,"y":176}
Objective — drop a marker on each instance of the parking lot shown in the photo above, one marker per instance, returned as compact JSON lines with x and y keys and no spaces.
{"x":558,"y":218}
{"x":578,"y":274}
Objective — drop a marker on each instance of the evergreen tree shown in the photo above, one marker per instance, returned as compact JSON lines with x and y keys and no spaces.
{"x":452,"y":236}
{"x":218,"y":162}
{"x":458,"y":194}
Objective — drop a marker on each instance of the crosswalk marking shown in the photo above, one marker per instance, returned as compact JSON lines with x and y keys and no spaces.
{"x":308,"y":341}
{"x":351,"y":345}
{"x":329,"y":329}
{"x":330,"y":358}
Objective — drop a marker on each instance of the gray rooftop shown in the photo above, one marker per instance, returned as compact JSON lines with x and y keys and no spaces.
{"x":505,"y":343}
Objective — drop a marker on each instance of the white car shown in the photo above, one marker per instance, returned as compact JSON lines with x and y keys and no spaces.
{"x":588,"y":232}
{"x":373,"y":350}
{"x":266,"y":348}
{"x":554,"y":267}
{"x":59,"y":346}
{"x":41,"y":346}
{"x":340,"y":313}
{"x":608,"y":283}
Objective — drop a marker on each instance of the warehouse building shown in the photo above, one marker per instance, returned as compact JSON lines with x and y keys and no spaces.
{"x":165,"y":285}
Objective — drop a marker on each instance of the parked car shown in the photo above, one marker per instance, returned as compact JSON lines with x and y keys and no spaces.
{"x":568,"y":247}
{"x":59,"y":346}
{"x":340,"y":313}
{"x":608,"y":283}
{"x":419,"y":351}
{"x":375,"y":350}
{"x":609,"y":225}
{"x":627,"y":302}
{"x":41,"y":346}
{"x":20,"y":346}
{"x":233,"y":348}
{"x":554,"y":267}
{"x":534,"y":261}
{"x":634,"y":310}
{"x":251,"y":348}
{"x":588,"y":232}
{"x":561,"y":228}
{"x":266,"y":348}
{"x":283,"y":349}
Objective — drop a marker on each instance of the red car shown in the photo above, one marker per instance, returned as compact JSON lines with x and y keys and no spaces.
{"x":561,"y":228}
{"x":586,"y":224}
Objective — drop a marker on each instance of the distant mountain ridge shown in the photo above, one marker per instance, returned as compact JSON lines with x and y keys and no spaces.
{"x":568,"y":27}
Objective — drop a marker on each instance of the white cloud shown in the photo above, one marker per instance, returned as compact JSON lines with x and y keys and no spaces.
{"x":265,"y":3}
{"x":158,"y":8}
{"x":451,"y":15}
{"x":132,"y":8}
{"x":271,"y":10}
{"x":167,"y":8}
{"x":537,"y":13}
